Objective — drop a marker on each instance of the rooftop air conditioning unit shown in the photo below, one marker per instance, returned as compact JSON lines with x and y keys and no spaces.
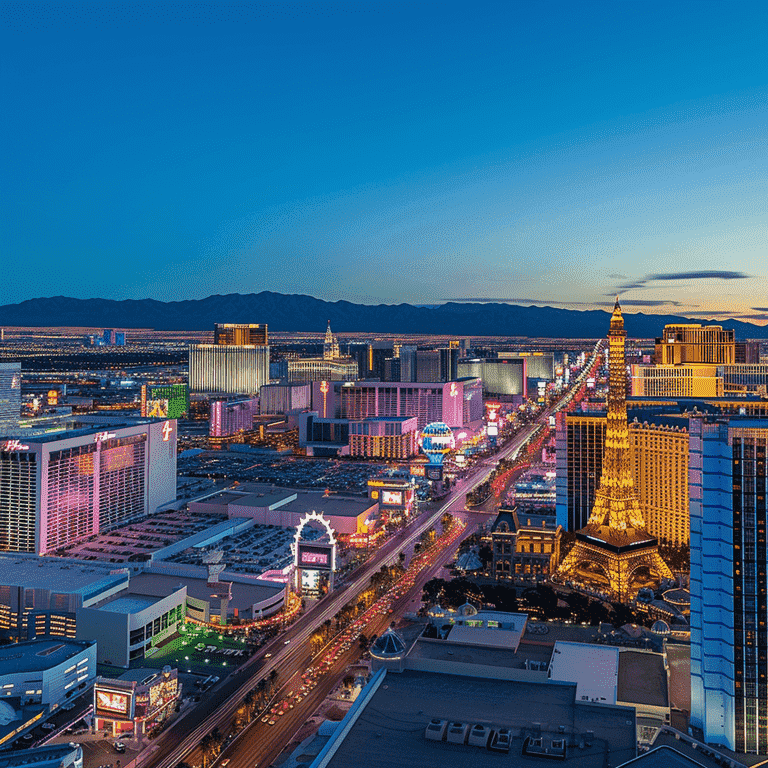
{"x":457,"y":733}
{"x":435,"y":731}
{"x":479,"y":736}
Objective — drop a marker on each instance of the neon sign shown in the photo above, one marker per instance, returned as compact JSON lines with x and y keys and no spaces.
{"x":324,"y":388}
{"x":14,"y":445}
{"x":167,"y":430}
{"x":100,"y":437}
{"x":454,"y":390}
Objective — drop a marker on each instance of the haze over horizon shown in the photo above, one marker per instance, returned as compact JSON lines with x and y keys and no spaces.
{"x":386,"y":153}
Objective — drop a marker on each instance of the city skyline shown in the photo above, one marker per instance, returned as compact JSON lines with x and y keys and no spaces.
{"x":387,"y":153}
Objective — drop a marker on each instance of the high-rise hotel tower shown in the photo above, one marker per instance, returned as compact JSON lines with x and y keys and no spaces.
{"x":729,"y":583}
{"x":236,"y":363}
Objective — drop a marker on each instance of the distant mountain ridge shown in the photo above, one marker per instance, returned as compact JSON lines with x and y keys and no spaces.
{"x":293,"y":312}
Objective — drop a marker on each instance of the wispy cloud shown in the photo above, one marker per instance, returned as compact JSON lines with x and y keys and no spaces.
{"x":759,"y":309}
{"x":626,"y":302}
{"x":704,"y":274}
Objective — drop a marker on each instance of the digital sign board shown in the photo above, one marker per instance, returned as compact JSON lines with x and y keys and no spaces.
{"x":394,"y":498}
{"x":315,"y":556}
{"x":434,"y":472}
{"x":112,"y":702}
{"x":170,"y":401}
{"x":157,"y":408}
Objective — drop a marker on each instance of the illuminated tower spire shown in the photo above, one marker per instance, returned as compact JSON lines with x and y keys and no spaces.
{"x":330,"y":345}
{"x":614,"y":545}
{"x":616,"y":503}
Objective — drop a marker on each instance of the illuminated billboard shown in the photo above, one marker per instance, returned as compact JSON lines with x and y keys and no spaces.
{"x":315,"y":556}
{"x":113,"y":703}
{"x":170,"y":401}
{"x":394,"y":498}
{"x":158,"y":408}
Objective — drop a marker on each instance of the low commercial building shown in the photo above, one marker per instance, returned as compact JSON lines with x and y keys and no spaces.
{"x":452,"y":717}
{"x":136,"y":701}
{"x":612,"y":675}
{"x":37,"y":677}
{"x":41,"y":596}
{"x":286,"y":507}
{"x":130,"y":625}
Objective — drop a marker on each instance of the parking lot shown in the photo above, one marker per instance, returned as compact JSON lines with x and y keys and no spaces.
{"x":341,"y":476}
{"x":254,"y":550}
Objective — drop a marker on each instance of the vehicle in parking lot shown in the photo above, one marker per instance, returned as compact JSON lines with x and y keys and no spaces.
{"x":119,"y":746}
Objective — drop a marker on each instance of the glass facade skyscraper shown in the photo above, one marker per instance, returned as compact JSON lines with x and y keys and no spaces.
{"x":729,"y":601}
{"x":10,"y":397}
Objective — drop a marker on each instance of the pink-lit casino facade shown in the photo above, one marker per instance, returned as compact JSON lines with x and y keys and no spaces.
{"x":457,"y":403}
{"x":228,"y":417}
{"x":58,"y":488}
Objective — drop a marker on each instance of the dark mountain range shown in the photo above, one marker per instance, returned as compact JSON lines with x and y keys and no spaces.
{"x":305,"y":313}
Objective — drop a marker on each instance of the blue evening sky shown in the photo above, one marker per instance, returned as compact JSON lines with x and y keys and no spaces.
{"x":390,"y":151}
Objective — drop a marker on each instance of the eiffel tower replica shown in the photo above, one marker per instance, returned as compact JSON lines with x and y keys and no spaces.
{"x":615,"y":537}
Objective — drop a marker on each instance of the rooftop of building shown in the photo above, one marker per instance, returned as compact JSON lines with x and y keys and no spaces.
{"x":53,"y":755}
{"x":245,"y":593}
{"x":390,"y":720}
{"x":130,"y":603}
{"x":57,"y":575}
{"x":137,"y":541}
{"x":38,"y":655}
{"x":466,"y":655}
{"x":643,"y":678}
{"x":305,"y":501}
{"x":140,"y":675}
{"x":83,"y":426}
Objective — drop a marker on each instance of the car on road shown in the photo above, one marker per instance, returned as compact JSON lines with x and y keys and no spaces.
{"x":224,"y":763}
{"x":119,"y":746}
{"x":48,"y":726}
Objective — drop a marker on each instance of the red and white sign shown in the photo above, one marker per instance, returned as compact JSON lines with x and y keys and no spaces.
{"x":14,"y":445}
{"x":167,"y":431}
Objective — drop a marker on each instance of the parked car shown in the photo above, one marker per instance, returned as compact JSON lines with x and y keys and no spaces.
{"x":48,"y":726}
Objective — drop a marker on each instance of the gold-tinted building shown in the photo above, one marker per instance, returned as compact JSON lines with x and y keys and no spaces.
{"x":676,"y":381}
{"x":660,"y":471}
{"x":695,"y":344}
{"x":240,"y":334}
{"x":659,"y":455}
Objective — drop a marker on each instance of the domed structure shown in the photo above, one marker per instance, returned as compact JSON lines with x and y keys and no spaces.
{"x":388,"y":651}
{"x":436,"y":612}
{"x":436,"y":440}
{"x":468,"y":561}
{"x":388,"y":645}
{"x":467,"y":610}
{"x":661,"y":628}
